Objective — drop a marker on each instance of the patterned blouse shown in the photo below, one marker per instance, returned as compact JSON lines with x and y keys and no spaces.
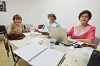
{"x":87,"y":33}
{"x":15,"y":28}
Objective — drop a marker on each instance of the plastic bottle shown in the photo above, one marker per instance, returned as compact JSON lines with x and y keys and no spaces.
{"x":32,"y":34}
{"x":51,"y":43}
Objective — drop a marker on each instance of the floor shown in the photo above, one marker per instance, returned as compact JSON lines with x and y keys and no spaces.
{"x":8,"y":61}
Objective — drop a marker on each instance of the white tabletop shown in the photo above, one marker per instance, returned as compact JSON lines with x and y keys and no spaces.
{"x":77,"y":57}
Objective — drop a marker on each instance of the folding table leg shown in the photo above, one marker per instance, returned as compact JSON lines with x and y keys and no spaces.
{"x":16,"y":61}
{"x":12,"y":53}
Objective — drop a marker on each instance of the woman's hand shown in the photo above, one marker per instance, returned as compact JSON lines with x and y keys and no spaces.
{"x":27,"y":29}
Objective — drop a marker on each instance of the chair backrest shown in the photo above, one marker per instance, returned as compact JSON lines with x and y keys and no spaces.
{"x":96,"y":41}
{"x":40,"y":26}
{"x":27,"y":26}
{"x":3,"y":29}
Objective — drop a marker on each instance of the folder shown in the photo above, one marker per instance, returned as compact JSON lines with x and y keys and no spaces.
{"x":94,"y":59}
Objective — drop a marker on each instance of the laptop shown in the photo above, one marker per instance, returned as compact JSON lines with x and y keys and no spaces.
{"x":94,"y":59}
{"x":59,"y":34}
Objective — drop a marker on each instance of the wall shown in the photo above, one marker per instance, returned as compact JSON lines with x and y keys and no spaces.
{"x":21,"y":7}
{"x":66,"y":11}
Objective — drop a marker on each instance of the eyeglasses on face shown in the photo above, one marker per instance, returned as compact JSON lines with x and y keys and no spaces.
{"x":85,"y":16}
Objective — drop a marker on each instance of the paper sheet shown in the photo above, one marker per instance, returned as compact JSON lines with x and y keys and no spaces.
{"x":41,"y":30}
{"x":71,"y":48}
{"x":29,"y":51}
{"x":36,"y":39}
{"x":80,"y":43}
{"x":37,"y":33}
{"x":26,"y":34}
{"x":75,"y":41}
{"x":49,"y":57}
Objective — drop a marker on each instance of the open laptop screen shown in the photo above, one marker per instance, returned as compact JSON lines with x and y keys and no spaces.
{"x":59,"y":34}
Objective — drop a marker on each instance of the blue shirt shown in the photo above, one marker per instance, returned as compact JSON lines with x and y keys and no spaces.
{"x":54,"y":24}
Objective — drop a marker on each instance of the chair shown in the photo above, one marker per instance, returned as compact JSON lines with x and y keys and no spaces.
{"x":3,"y":31}
{"x":27,"y":26}
{"x":13,"y":55}
{"x":96,"y":41}
{"x":40,"y":26}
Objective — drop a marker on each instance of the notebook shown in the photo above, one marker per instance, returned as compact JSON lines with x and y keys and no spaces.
{"x":38,"y":55}
{"x":29,"y":51}
{"x":49,"y":57}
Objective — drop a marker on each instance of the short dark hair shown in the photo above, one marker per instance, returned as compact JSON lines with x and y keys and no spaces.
{"x":51,"y":15}
{"x":17,"y":17}
{"x":85,"y":12}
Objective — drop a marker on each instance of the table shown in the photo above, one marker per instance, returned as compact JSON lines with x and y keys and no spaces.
{"x":73,"y":57}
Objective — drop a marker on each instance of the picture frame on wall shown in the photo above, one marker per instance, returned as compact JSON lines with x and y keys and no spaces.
{"x":2,"y":6}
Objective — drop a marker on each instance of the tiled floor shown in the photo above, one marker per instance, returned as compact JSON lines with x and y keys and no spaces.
{"x":8,"y":61}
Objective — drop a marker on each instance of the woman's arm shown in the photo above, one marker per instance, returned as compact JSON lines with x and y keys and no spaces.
{"x":70,"y":32}
{"x":24,"y":29}
{"x":85,"y":41}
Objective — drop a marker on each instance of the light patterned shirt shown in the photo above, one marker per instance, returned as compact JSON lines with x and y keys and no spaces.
{"x":54,"y":24}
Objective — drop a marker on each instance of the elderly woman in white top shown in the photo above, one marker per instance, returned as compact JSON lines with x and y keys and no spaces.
{"x":51,"y":22}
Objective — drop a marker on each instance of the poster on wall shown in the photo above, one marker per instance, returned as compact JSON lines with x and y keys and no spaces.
{"x":2,"y":6}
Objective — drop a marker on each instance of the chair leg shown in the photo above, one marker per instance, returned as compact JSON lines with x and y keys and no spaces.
{"x":4,"y":44}
{"x":8,"y":54}
{"x":12,"y":53}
